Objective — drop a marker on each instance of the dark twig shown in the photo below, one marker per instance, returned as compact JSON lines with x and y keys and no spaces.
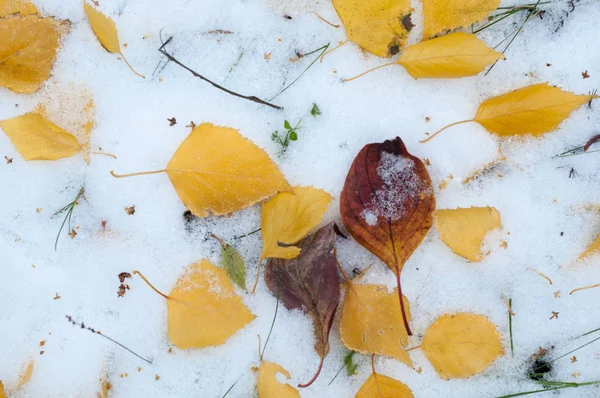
{"x":252,"y":98}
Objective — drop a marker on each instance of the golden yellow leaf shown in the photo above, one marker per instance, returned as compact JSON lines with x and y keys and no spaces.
{"x":455,"y":55}
{"x":379,"y":26}
{"x":463,"y":230}
{"x":38,"y":139}
{"x":442,"y":15}
{"x":269,"y":387}
{"x":2,"y":392}
{"x":23,"y":7}
{"x":380,"y":386}
{"x":461,"y":345}
{"x":25,"y":375}
{"x":591,"y":251}
{"x":217,"y":170}
{"x":27,"y":51}
{"x":289,"y":217}
{"x":372,"y":322}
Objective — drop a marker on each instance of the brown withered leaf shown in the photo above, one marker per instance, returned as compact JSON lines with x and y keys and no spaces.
{"x":310,"y":282}
{"x":124,"y":275}
{"x":387,"y":204}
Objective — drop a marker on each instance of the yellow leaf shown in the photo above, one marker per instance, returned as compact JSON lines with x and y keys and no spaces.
{"x":442,"y":15}
{"x":378,"y":26}
{"x":203,"y":309}
{"x":591,"y":251}
{"x":289,"y":217}
{"x":455,"y":55}
{"x":463,"y":230}
{"x":379,"y":386}
{"x":217,"y":170}
{"x":2,"y":392}
{"x":22,"y":7}
{"x":25,"y":375}
{"x":372,"y":322}
{"x":269,"y":387}
{"x":27,"y":51}
{"x":461,"y":345}
{"x":38,"y":139}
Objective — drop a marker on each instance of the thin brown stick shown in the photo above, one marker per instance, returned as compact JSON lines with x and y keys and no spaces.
{"x":130,"y":67}
{"x":326,"y":21}
{"x":584,"y":288}
{"x":540,"y":274}
{"x":510,"y":311}
{"x":369,"y":71}
{"x":198,"y":75}
{"x":315,"y":376}
{"x":442,"y":129}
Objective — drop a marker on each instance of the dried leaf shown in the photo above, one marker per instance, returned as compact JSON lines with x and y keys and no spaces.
{"x":461,"y":345}
{"x":372,"y":322}
{"x":442,"y":15}
{"x":377,"y":26}
{"x":269,"y":387}
{"x":310,"y":282}
{"x":380,"y":386}
{"x":463,"y":230}
{"x":455,"y":55}
{"x":23,"y":7}
{"x":38,"y":139}
{"x":387,"y":204}
{"x":25,"y":375}
{"x":592,"y":250}
{"x":288,"y":217}
{"x":233,"y":263}
{"x":217,"y":170}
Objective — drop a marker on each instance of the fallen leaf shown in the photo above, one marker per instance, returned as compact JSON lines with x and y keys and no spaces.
{"x":310,"y":282}
{"x":387,"y":204}
{"x":371,"y":322}
{"x":463,"y":230}
{"x":554,"y":315}
{"x":377,"y":26}
{"x":2,"y":391}
{"x":25,"y":375}
{"x":130,"y":210}
{"x":39,"y":139}
{"x":217,"y":170}
{"x":233,"y":263}
{"x":269,"y":387}
{"x":591,"y":251}
{"x":585,"y":75}
{"x":442,"y":15}
{"x":461,"y":345}
{"x":22,"y":7}
{"x":380,"y":386}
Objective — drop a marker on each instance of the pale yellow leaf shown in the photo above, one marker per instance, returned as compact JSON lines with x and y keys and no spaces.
{"x":104,"y":28}
{"x":289,"y":217}
{"x":442,"y":15}
{"x":2,"y":392}
{"x":25,"y":375}
{"x":591,"y":251}
{"x":23,"y":7}
{"x":463,"y":230}
{"x":269,"y":387}
{"x":461,"y":345}
{"x":455,"y":55}
{"x":380,"y":386}
{"x":39,"y":139}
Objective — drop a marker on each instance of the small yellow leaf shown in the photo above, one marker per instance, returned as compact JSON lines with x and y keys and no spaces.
{"x":2,"y":392}
{"x":38,"y":139}
{"x":591,"y":251}
{"x":463,"y":230}
{"x":25,"y":375}
{"x":461,"y":345}
{"x":203,"y":309}
{"x":455,"y":55}
{"x":269,"y":387}
{"x":379,"y":26}
{"x":380,"y":386}
{"x":23,"y":7}
{"x":372,"y":322}
{"x":289,"y":217}
{"x":442,"y":15}
{"x":104,"y":28}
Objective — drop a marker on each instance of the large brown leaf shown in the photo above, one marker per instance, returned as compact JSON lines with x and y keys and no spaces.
{"x":387,"y":204}
{"x":310,"y":282}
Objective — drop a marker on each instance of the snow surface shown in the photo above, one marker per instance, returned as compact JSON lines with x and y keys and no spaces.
{"x":546,"y":224}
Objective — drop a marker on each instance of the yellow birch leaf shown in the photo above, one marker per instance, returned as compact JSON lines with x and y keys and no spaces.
{"x":380,"y":386}
{"x":27,"y":51}
{"x":379,"y":26}
{"x":461,"y":345}
{"x":22,"y":7}
{"x":39,"y":139}
{"x":25,"y":375}
{"x":289,"y":217}
{"x":217,"y":170}
{"x":269,"y":387}
{"x":442,"y":15}
{"x":2,"y":392}
{"x":591,"y":251}
{"x":455,"y":55}
{"x":463,"y":230}
{"x":372,"y":322}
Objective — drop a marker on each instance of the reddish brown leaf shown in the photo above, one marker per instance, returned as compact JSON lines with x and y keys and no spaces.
{"x":591,"y":141}
{"x":310,"y":282}
{"x":387,"y":204}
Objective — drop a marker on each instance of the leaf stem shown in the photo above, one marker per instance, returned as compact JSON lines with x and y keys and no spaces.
{"x":257,"y":277}
{"x":413,"y":348}
{"x":150,"y":284}
{"x":510,"y":315}
{"x":141,"y":173}
{"x":105,"y":154}
{"x":332,"y":50}
{"x":326,"y":21}
{"x":369,"y":71}
{"x":444,"y":128}
{"x":408,"y":331}
{"x":315,"y":376}
{"x":130,"y":67}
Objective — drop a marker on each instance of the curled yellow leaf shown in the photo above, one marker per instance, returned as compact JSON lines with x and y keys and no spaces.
{"x":380,"y":386}
{"x":22,"y":7}
{"x":443,"y":15}
{"x":269,"y":387}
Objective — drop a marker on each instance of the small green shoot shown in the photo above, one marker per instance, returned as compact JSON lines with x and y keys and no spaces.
{"x":315,"y":111}
{"x":68,"y":210}
{"x":286,"y":137}
{"x":552,"y":386}
{"x":510,"y":315}
{"x":349,"y":364}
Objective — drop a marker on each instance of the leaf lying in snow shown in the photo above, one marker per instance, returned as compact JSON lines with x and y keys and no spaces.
{"x":442,"y":15}
{"x":463,"y":230}
{"x":269,"y":387}
{"x":590,"y":251}
{"x":21,"y":7}
{"x":2,"y":391}
{"x":387,"y":204}
{"x":233,"y":263}
{"x":455,"y":55}
{"x":380,"y":386}
{"x":217,"y":170}
{"x":379,"y":26}
{"x":372,"y":322}
{"x":310,"y":282}
{"x":461,"y":345}
{"x":38,"y":139}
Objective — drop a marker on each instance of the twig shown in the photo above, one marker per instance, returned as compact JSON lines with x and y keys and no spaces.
{"x":540,"y":274}
{"x":583,"y":288}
